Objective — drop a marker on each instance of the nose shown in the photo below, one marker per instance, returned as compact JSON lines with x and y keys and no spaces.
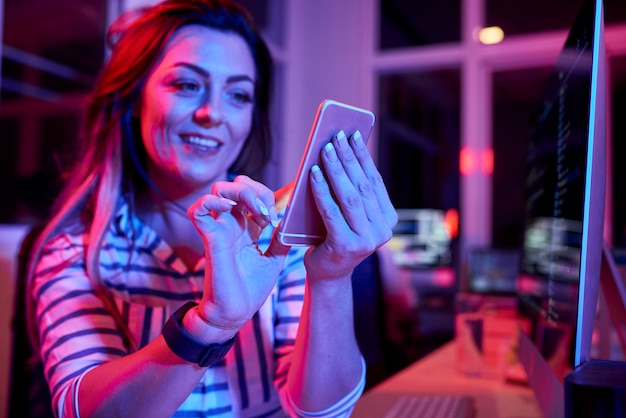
{"x":209,"y":113}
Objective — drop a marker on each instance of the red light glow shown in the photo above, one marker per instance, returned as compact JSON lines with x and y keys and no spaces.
{"x":487,"y":161}
{"x":443,"y":277}
{"x":451,"y":221}
{"x":467,"y":161}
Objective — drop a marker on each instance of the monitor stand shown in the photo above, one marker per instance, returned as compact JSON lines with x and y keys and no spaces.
{"x":546,"y":386}
{"x":597,"y":388}
{"x":614,"y":292}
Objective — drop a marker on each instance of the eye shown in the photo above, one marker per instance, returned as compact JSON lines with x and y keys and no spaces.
{"x":239,"y":97}
{"x":185,"y":86}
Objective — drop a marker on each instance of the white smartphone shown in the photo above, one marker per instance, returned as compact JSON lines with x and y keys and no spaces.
{"x":302,"y":224}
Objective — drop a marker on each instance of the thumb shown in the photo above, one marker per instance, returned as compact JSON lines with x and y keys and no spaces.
{"x":276,"y":249}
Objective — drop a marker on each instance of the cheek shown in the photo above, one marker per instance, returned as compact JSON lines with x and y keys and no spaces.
{"x":156,"y":117}
{"x":152,"y":132}
{"x":241,"y":132}
{"x":243,"y":127}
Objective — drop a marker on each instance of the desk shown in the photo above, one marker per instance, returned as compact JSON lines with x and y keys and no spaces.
{"x":436,"y":374}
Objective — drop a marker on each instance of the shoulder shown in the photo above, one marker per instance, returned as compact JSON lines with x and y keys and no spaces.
{"x":63,"y":249}
{"x":70,"y":236}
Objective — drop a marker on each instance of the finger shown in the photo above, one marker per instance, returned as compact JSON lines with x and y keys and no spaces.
{"x":252,"y":196}
{"x":209,"y":203}
{"x":267,"y":197}
{"x":375,"y":179}
{"x":328,"y":208}
{"x":344,"y":241}
{"x":358,"y":177}
{"x":346,"y":195}
{"x":263,"y":201}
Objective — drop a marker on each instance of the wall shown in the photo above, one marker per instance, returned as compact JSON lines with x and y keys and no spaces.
{"x":326,"y":57}
{"x":10,"y":238}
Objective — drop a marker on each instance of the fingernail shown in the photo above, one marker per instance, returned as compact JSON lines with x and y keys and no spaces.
{"x":317,"y":173}
{"x":261,"y":206}
{"x":357,"y":139}
{"x":341,"y":136}
{"x":330,"y":151}
{"x":273,"y":216}
{"x":230,"y":202}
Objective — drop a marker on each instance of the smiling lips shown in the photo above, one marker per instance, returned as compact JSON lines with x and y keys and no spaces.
{"x":201,"y":143}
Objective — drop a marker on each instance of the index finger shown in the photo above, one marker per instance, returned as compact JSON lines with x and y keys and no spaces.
{"x":256,"y":197}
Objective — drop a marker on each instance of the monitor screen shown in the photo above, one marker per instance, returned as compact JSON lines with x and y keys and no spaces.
{"x":421,"y":239}
{"x":564,"y":205}
{"x":493,"y":271}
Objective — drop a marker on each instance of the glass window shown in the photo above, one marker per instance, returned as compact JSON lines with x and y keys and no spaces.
{"x":418,"y":138}
{"x":515,"y":96}
{"x":522,"y":17}
{"x":413,"y":23}
{"x":51,"y":55}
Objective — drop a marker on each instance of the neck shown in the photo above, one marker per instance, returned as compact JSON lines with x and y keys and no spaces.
{"x":168,"y":218}
{"x":165,"y":210}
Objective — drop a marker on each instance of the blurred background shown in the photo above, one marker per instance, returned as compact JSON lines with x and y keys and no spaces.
{"x":453,"y":83}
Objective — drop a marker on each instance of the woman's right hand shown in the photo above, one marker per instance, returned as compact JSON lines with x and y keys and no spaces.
{"x":238,"y":276}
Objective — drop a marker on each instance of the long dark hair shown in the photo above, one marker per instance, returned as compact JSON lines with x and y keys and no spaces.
{"x":112,"y":161}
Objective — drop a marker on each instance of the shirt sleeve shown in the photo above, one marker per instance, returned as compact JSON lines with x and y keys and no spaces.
{"x":76,"y":332}
{"x":290,"y":298}
{"x":343,"y":408}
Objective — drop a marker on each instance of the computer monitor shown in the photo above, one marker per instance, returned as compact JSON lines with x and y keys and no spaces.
{"x":563,"y":237}
{"x":493,"y":271}
{"x":421,"y":239}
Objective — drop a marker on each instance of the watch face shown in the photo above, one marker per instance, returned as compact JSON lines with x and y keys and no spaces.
{"x":186,"y":347}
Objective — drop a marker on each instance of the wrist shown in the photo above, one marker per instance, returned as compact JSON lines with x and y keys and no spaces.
{"x":330,"y":292}
{"x":336,"y":283}
{"x":186,"y":346}
{"x":203,"y":330}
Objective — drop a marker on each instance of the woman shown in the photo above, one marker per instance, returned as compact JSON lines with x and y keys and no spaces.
{"x":158,"y":286}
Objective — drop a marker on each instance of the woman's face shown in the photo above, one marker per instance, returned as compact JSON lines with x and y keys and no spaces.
{"x":196,"y":108}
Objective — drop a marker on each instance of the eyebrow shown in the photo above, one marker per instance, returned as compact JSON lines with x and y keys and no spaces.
{"x":206,"y":74}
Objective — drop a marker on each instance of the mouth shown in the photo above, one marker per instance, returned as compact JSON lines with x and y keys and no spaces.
{"x":200,"y":142}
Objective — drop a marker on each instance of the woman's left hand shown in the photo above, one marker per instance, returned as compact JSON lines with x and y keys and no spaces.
{"x":354,"y":205}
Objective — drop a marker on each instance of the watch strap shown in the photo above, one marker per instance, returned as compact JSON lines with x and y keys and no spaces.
{"x":185,"y":346}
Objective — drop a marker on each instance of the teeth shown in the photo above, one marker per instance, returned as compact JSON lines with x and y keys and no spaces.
{"x":194,"y":140}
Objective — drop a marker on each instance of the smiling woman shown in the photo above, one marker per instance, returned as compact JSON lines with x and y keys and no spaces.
{"x":160,"y":254}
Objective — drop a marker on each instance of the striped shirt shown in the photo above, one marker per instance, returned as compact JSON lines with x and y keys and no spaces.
{"x":148,"y":283}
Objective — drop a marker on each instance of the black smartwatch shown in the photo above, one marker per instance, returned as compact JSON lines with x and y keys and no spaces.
{"x":185,"y":346}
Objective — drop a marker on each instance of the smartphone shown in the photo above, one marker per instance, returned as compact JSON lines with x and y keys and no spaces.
{"x":302,"y":224}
